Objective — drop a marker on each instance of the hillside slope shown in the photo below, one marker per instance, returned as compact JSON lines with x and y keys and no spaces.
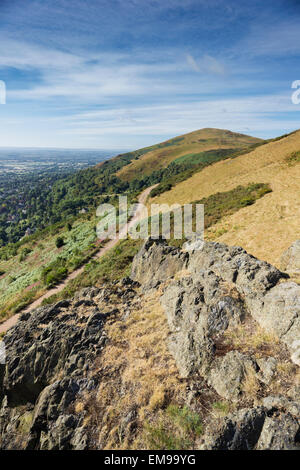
{"x":219,"y":158}
{"x":207,"y":359}
{"x":161,"y":155}
{"x":270,"y":226}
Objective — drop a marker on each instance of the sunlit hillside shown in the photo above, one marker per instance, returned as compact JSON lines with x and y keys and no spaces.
{"x":269,"y":226}
{"x":161,"y":155}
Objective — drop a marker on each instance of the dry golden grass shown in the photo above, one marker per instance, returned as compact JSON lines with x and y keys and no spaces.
{"x":158,"y":398}
{"x":271,"y":225}
{"x":251,"y":385}
{"x":250,"y":338}
{"x":138,"y":373}
{"x":285,"y":379}
{"x":79,"y":407}
{"x":256,"y":342}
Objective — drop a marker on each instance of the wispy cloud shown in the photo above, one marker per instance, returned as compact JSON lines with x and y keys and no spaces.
{"x":240,"y":114}
{"x":273,"y":40}
{"x":193,"y":63}
{"x":107,"y":70}
{"x":206,"y":64}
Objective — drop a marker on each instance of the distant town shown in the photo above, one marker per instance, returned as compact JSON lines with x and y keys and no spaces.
{"x":27,"y":177}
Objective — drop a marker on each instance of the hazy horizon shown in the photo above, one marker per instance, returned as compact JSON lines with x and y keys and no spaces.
{"x":120,"y":149}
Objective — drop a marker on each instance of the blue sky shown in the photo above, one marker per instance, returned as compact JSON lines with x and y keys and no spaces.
{"x":129,"y":73}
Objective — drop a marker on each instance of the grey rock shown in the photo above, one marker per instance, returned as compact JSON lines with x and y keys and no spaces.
{"x":48,"y":359}
{"x":283,"y":404}
{"x":279,"y":432}
{"x":257,"y":428}
{"x":294,"y":347}
{"x":290,"y":259}
{"x":80,"y":439}
{"x":198,"y":312}
{"x":251,"y":276}
{"x":267,"y":369}
{"x":197,"y":309}
{"x":280,"y":314}
{"x":156,"y":261}
{"x":238,"y":431}
{"x":55,"y":346}
{"x":229,"y":372}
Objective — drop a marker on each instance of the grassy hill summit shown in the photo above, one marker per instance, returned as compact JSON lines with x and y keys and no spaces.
{"x":268,"y":227}
{"x":184,"y":148}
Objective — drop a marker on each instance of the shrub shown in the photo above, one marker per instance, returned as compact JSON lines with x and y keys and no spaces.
{"x":23,"y":254}
{"x":293,"y":158}
{"x":55,"y":272}
{"x":161,"y":188}
{"x":221,"y":407}
{"x":159,"y":438}
{"x":54,"y":278}
{"x":185,"y":419}
{"x":76,"y":262}
{"x":247,"y":201}
{"x":59,"y":242}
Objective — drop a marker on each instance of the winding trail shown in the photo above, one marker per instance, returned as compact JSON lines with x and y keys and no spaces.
{"x":55,"y":290}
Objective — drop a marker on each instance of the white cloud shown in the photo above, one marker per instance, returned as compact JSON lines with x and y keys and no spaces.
{"x":206,"y":64}
{"x":271,"y":40}
{"x":244,"y":114}
{"x":94,"y":76}
{"x":29,"y":56}
{"x":192,"y":62}
{"x":212,"y":65}
{"x":119,"y":82}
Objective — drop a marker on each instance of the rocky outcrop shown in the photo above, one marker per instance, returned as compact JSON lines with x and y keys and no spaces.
{"x":272,"y":426}
{"x":280,"y":314}
{"x":156,"y":262}
{"x":206,"y":295}
{"x":56,"y":339}
{"x":290,"y":259}
{"x":198,"y":312}
{"x":221,"y":287}
{"x":227,"y":374}
{"x":50,"y":358}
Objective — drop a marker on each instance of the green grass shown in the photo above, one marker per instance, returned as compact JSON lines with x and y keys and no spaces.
{"x":116,"y":264}
{"x":221,"y":407}
{"x":207,"y":157}
{"x":36,"y":263}
{"x":113,"y":266}
{"x":187,"y":165}
{"x":177,"y":428}
{"x":293,"y":158}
